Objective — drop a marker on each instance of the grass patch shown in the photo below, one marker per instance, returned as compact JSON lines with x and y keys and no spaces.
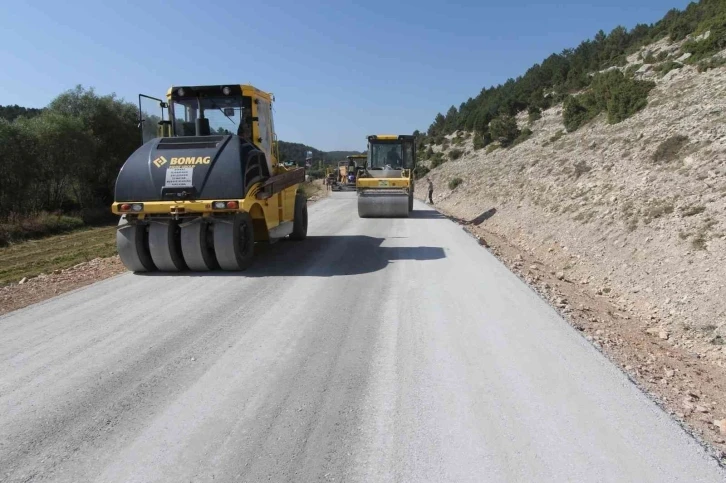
{"x":711,"y":63}
{"x":557,"y":136}
{"x":455,"y":154}
{"x":585,"y":216}
{"x":454,"y":183}
{"x":699,"y":241}
{"x":666,"y":67}
{"x":420,"y":171}
{"x":16,"y":229}
{"x":693,"y":210}
{"x":630,"y":214}
{"x":437,"y":160}
{"x":580,"y":168}
{"x":534,"y":114}
{"x":702,"y":236}
{"x":632,"y":69}
{"x":492,"y":147}
{"x":316,"y":188}
{"x":657,"y":210}
{"x":668,"y":150}
{"x":523,"y":136}
{"x":31,"y":258}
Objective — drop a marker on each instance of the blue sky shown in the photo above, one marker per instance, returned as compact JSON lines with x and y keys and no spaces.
{"x":339,"y":70}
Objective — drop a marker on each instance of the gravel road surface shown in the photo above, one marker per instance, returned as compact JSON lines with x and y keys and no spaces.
{"x":376,"y":350}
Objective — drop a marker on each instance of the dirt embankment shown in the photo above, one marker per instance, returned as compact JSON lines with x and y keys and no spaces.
{"x":622,"y":227}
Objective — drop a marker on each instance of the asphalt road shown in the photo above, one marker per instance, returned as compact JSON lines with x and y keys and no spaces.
{"x":376,"y":350}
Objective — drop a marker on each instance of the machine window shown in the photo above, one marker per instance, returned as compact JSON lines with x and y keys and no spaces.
{"x":408,"y":156}
{"x":263,"y":116}
{"x":386,"y":155}
{"x":224,"y":114}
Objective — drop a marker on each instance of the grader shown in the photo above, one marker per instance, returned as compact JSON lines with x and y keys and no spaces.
{"x":209,"y":186}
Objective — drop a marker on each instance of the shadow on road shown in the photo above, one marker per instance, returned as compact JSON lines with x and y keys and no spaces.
{"x":426,"y":215}
{"x":474,"y":221}
{"x":330,"y":256}
{"x":483,"y":217}
{"x":322,"y":256}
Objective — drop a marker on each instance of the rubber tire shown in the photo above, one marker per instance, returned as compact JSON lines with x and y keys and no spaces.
{"x":165,"y":246}
{"x":132,"y":246}
{"x":197,"y":251}
{"x":234,"y":242}
{"x":300,"y":222}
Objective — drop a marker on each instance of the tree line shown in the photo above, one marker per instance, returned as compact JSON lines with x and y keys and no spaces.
{"x":561,"y":75}
{"x":65,"y":159}
{"x":66,"y":156}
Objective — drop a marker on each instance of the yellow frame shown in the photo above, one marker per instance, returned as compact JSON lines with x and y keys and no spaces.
{"x":277,"y":209}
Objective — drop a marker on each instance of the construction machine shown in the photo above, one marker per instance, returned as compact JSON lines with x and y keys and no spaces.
{"x":385,"y":186}
{"x":346,"y":172}
{"x":197,"y":197}
{"x":357,"y":163}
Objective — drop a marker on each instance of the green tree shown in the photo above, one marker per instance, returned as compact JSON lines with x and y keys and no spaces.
{"x":504,"y":129}
{"x":534,"y":113}
{"x":113,"y":125}
{"x":60,"y":151}
{"x":16,"y":168}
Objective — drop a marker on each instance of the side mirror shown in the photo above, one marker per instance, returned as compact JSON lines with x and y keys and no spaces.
{"x":229,"y":111}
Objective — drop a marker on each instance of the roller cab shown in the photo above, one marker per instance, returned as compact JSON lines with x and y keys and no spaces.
{"x":385,"y":186}
{"x":201,"y":193}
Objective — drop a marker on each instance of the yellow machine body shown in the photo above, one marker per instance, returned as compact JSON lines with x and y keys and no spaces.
{"x":385,"y":186}
{"x":230,"y":184}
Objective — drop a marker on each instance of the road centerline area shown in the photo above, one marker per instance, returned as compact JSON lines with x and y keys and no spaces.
{"x":374,"y":350}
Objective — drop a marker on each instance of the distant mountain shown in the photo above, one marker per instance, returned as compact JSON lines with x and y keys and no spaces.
{"x":297,"y":152}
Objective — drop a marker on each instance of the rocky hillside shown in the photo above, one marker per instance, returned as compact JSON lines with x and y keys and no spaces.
{"x":638,"y":205}
{"x":632,"y":212}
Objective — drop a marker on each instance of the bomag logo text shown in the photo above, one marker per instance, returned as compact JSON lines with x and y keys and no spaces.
{"x":160,"y":161}
{"x":190,"y":161}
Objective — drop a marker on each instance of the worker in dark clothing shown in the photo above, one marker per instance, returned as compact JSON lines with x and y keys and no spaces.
{"x":431,"y":191}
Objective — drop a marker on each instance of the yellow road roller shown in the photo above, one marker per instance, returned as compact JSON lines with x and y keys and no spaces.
{"x":200,"y":194}
{"x":385,"y":186}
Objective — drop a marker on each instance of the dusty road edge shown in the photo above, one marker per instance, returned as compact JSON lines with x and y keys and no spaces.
{"x":623,"y":340}
{"x":44,"y":287}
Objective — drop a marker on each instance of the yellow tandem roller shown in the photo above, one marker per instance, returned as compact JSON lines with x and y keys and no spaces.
{"x":385,"y":187}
